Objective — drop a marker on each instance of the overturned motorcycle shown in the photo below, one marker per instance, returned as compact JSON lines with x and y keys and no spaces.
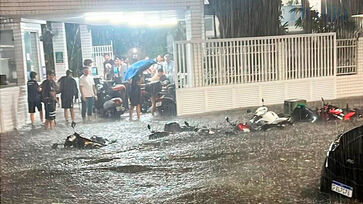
{"x":174,"y":127}
{"x":77,"y":141}
{"x":330,"y":112}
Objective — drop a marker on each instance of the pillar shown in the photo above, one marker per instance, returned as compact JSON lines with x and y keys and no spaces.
{"x":59,"y":49}
{"x":86,"y":42}
{"x":194,"y":19}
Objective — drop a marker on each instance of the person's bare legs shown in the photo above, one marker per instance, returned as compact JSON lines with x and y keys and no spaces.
{"x":52,"y":124}
{"x":131,"y":110}
{"x":138,"y":107}
{"x":46,"y":124}
{"x":32,"y":118}
{"x":153,"y":105}
{"x":41,"y":116}
{"x":66,"y":114}
{"x":72,"y":114}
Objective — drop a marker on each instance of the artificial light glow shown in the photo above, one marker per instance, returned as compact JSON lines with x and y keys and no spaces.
{"x":130,"y":18}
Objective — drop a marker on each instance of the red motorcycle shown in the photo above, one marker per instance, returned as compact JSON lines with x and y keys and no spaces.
{"x":330,"y":112}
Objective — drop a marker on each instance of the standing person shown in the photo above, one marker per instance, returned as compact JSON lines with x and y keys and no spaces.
{"x":135,"y":96}
{"x":107,"y":67}
{"x":88,"y":92}
{"x":169,"y":67}
{"x":155,"y":67}
{"x":69,"y":91}
{"x":34,"y":98}
{"x":49,"y":89}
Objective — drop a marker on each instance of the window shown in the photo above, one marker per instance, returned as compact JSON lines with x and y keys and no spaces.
{"x":31,"y":52}
{"x":8,"y":74}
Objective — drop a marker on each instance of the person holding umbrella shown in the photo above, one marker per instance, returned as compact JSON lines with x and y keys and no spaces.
{"x":135,"y":96}
{"x":133,"y":73}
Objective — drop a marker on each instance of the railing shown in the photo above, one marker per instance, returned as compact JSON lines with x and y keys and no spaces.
{"x":251,"y":60}
{"x":347,"y":56}
{"x":98,"y":55}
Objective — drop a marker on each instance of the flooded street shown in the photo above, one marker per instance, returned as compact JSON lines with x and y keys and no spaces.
{"x":272,"y":166}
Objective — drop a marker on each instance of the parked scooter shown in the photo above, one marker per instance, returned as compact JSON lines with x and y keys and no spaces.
{"x":330,"y":112}
{"x":111,"y":98}
{"x":165,"y":103}
{"x":165,"y":97}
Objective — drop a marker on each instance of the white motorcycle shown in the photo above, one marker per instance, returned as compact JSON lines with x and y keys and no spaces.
{"x":264,"y":119}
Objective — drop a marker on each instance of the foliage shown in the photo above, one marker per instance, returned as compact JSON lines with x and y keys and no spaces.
{"x":311,"y":21}
{"x":242,"y":18}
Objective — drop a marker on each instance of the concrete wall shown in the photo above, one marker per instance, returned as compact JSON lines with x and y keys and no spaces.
{"x":352,"y":85}
{"x":13,"y":108}
{"x":13,"y":100}
{"x":218,"y":98}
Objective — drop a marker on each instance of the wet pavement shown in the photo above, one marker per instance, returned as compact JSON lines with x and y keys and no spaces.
{"x":267,"y":167}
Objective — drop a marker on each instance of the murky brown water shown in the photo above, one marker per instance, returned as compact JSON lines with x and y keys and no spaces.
{"x":273,"y":166}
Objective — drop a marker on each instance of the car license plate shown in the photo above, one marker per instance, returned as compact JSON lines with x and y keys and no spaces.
{"x":158,"y":104}
{"x":342,"y":189}
{"x":118,"y":108}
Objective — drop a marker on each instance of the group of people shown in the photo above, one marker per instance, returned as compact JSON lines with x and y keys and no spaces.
{"x":66,"y":86}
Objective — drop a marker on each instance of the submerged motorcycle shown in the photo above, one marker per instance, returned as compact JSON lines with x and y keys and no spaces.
{"x":264,"y":119}
{"x":77,"y":141}
{"x":330,"y":112}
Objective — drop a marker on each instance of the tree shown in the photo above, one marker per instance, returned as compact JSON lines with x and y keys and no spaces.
{"x":243,"y":18}
{"x":335,"y":17}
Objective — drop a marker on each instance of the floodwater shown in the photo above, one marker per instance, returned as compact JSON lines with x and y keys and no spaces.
{"x":267,"y":167}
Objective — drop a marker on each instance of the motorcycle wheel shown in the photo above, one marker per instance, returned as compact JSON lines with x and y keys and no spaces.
{"x":168,"y":109}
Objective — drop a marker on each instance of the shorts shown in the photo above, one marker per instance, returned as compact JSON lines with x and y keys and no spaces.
{"x":50,"y":110}
{"x":67,"y":102}
{"x":32,"y":105}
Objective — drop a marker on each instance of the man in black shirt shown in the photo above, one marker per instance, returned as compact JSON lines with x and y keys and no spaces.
{"x":108,"y":67}
{"x":69,"y":91}
{"x":49,"y":90}
{"x":34,"y":99}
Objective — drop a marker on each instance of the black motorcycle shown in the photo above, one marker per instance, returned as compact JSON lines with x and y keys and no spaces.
{"x":111,"y":98}
{"x":165,"y":102}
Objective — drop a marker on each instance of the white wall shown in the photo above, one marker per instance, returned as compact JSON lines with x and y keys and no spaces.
{"x":60,"y":45}
{"x":218,"y":98}
{"x":352,"y":85}
{"x":86,"y":42}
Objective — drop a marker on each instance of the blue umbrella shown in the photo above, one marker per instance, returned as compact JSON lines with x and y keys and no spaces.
{"x":138,"y":67}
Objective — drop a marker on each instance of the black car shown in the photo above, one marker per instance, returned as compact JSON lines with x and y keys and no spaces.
{"x":342,"y":172}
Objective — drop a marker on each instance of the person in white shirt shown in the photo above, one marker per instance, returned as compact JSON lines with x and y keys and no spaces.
{"x":88,"y":92}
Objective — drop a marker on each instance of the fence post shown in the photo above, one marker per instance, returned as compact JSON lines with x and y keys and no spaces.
{"x":176,"y":64}
{"x":335,"y":53}
{"x":189,"y":63}
{"x":281,"y":62}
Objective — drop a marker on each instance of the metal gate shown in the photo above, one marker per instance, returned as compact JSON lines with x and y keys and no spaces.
{"x":98,"y":56}
{"x":347,"y":56}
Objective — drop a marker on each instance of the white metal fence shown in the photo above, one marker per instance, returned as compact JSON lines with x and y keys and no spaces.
{"x":98,"y":56}
{"x":347,"y":56}
{"x":258,"y":59}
